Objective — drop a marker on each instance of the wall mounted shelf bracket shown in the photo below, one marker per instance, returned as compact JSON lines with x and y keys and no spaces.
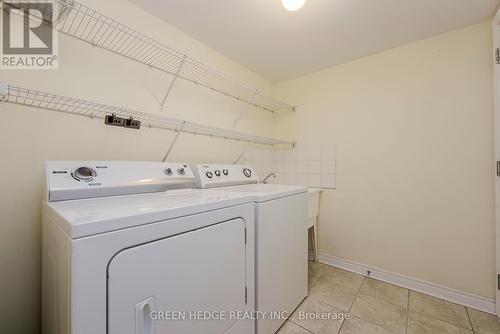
{"x":172,"y":83}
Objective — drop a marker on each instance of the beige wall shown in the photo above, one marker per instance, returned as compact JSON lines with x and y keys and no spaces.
{"x":414,"y":133}
{"x":30,"y":136}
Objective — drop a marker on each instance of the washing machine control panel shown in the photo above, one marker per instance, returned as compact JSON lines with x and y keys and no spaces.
{"x":211,"y":176}
{"x":67,"y":180}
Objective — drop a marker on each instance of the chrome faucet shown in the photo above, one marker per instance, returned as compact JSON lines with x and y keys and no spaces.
{"x":267,"y":177}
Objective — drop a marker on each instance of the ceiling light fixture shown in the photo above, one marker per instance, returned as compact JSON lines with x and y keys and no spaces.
{"x":293,"y":5}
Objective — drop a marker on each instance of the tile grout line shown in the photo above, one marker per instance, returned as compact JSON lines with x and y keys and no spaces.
{"x":296,"y":324}
{"x":375,"y":325}
{"x":446,"y":321}
{"x":408,"y":309}
{"x":382,"y":299}
{"x":318,"y":279}
{"x":352,"y":304}
{"x":470,"y":320}
{"x":308,"y":292}
{"x":350,"y":307}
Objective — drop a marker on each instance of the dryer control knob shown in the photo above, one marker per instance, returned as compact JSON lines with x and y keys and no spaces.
{"x":84,"y":174}
{"x":181,"y":171}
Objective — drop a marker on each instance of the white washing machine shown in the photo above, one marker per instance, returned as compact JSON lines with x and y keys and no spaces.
{"x":133,"y":248}
{"x":280,"y":239}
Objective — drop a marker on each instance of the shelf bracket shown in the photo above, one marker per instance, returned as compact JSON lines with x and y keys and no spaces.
{"x":178,"y":133}
{"x":172,"y":83}
{"x":245,"y":108}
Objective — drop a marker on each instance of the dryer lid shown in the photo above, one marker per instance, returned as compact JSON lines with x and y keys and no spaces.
{"x":85,"y":217}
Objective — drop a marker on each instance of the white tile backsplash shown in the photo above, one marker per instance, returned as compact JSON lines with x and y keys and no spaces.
{"x":280,"y":166}
{"x":279,"y":155}
{"x":291,"y":166}
{"x":314,"y":180}
{"x":309,"y":166}
{"x":314,"y":153}
{"x":302,"y":154}
{"x":314,"y":167}
{"x":302,"y":167}
{"x":328,"y":167}
{"x":328,"y":181}
{"x":328,"y":153}
{"x":291,"y":155}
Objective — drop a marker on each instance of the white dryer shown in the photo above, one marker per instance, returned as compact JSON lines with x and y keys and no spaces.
{"x":133,"y":248}
{"x":280,"y":239}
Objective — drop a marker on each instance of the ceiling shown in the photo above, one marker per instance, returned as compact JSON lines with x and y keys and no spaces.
{"x":279,"y":45}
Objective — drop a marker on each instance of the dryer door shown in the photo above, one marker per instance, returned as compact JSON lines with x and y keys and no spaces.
{"x":201,"y":270}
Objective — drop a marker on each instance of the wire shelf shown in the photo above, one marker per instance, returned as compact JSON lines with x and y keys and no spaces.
{"x":88,"y":25}
{"x":43,"y":100}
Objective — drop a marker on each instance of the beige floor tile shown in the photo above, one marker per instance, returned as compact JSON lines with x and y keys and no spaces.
{"x":291,"y":328}
{"x":421,"y":324}
{"x":358,"y":326}
{"x":313,"y":280}
{"x":388,"y":292}
{"x":305,"y":316}
{"x":343,"y":277}
{"x":484,"y":323}
{"x":439,"y":309}
{"x":333,"y":294}
{"x":381,"y":313}
{"x":317,"y":269}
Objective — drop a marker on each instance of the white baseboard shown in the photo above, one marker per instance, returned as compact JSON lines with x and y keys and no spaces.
{"x":456,"y":296}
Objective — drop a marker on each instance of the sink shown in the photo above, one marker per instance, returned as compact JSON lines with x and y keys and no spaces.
{"x":313,"y":203}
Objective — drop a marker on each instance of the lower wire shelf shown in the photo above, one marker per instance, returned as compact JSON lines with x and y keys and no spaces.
{"x":43,"y":100}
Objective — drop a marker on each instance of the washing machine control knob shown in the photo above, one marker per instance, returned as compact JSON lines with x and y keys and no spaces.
{"x":84,"y":174}
{"x":247,"y":172}
{"x":225,"y":172}
{"x":217,"y":173}
{"x":209,"y":175}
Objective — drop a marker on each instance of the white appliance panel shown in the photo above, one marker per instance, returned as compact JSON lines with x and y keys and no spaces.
{"x":69,"y":180}
{"x":99,"y":215}
{"x":197,"y":234}
{"x":281,"y":252}
{"x":211,"y":176}
{"x":202,"y":270}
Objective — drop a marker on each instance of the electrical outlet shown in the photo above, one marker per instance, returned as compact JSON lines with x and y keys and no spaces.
{"x":132,"y":123}
{"x":114,"y":120}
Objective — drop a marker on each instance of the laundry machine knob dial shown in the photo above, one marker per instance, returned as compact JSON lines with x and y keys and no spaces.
{"x":84,"y":174}
{"x":209,"y":175}
{"x":225,"y":172}
{"x":181,"y":171}
{"x":217,"y":173}
{"x":247,"y":172}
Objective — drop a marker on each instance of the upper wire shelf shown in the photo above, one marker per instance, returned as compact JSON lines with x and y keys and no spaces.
{"x":35,"y":98}
{"x":88,"y":25}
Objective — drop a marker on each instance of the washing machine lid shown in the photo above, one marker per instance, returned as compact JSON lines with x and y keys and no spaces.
{"x":85,"y":217}
{"x":262,"y":192}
